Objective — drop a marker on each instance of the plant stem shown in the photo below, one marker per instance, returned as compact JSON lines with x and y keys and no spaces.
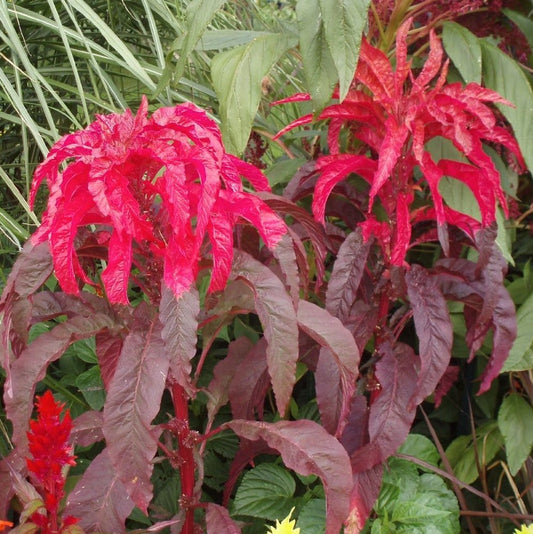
{"x":183,"y":434}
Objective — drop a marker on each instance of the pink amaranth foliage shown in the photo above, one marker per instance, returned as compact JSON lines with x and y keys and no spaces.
{"x":389,"y":116}
{"x":51,"y":454}
{"x":150,"y":193}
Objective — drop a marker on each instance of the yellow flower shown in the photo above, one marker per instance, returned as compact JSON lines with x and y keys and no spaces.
{"x":287,"y":526}
{"x":524,"y":529}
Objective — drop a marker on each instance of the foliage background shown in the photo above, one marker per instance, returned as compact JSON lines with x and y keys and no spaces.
{"x":64,"y":61}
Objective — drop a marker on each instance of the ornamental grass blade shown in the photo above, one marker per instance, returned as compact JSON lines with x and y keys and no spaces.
{"x":308,"y":449}
{"x":434,"y":330}
{"x":276,"y":312}
{"x":100,"y":499}
{"x":133,"y":400}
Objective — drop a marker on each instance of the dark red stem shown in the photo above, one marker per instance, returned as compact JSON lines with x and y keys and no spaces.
{"x":182,"y":431}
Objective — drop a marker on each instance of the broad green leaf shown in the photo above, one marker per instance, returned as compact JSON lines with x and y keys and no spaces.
{"x":462,"y":454}
{"x":265,"y":492}
{"x":515,"y":419}
{"x":220,"y":39}
{"x":344,"y":21}
{"x":319,"y":68}
{"x":312,"y":517}
{"x":521,"y":354}
{"x":504,"y":75}
{"x":91,"y":387}
{"x":237,"y":76}
{"x":464,"y":50}
{"x":420,"y":447}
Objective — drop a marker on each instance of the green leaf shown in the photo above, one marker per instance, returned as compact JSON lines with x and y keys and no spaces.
{"x":319,"y":68}
{"x":515,"y":419}
{"x":420,"y":447}
{"x":521,"y":355}
{"x":237,"y":76}
{"x":265,"y":492}
{"x":462,"y":454}
{"x":504,"y":75}
{"x":463,"y":48}
{"x":312,"y":517}
{"x":199,"y":14}
{"x":344,"y":21}
{"x":92,"y":388}
{"x":524,"y":23}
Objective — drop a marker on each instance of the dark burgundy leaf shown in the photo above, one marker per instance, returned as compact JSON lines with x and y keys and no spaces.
{"x":133,"y":400}
{"x":108,"y":349}
{"x":308,"y":449}
{"x":355,"y":433}
{"x":338,"y":363}
{"x":249,"y":386}
{"x":434,"y":330}
{"x":30,"y":367}
{"x":364,"y":495}
{"x":390,"y":417}
{"x":179,"y":317}
{"x":100,"y":499}
{"x":346,"y":275}
{"x":223,"y":374}
{"x":87,"y":428}
{"x":276,"y":313}
{"x":446,"y":382}
{"x":218,"y":521}
{"x":11,"y":464}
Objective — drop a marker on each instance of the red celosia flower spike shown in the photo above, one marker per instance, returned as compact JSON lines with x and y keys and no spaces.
{"x":391,"y":130}
{"x":48,"y":442}
{"x":155,"y":188}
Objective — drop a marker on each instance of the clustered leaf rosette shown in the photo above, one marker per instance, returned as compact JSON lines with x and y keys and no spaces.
{"x":150,"y":191}
{"x":51,"y":454}
{"x":390,"y":115}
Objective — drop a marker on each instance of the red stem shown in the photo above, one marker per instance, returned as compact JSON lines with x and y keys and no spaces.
{"x":183,"y":434}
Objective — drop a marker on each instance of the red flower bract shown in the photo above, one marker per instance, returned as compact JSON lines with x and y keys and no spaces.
{"x":150,"y":189}
{"x":48,"y":442}
{"x":390,"y":116}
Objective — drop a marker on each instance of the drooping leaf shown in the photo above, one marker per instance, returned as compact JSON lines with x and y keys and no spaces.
{"x":392,"y":413}
{"x":87,"y":428}
{"x":199,"y":14}
{"x":179,"y":317}
{"x":344,"y":22}
{"x":266,"y":492}
{"x":346,"y":275}
{"x":338,"y":363}
{"x":463,"y":48}
{"x":504,"y":75}
{"x":248,"y":388}
{"x":223,"y":374}
{"x":515,"y":421}
{"x":308,"y":449}
{"x":434,"y":330}
{"x":319,"y":67}
{"x":237,"y":75}
{"x":100,"y":499}
{"x":30,"y":367}
{"x":217,"y":520}
{"x":133,"y":400}
{"x":276,"y":313}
